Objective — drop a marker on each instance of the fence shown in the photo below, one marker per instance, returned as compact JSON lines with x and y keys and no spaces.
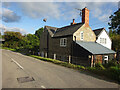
{"x":72,"y":59}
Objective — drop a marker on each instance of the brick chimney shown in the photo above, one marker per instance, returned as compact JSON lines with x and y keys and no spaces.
{"x":73,"y":22}
{"x":85,"y":16}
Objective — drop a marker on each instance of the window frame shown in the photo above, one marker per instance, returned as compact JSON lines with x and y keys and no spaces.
{"x":63,"y":42}
{"x":103,"y":40}
{"x":81,"y":35}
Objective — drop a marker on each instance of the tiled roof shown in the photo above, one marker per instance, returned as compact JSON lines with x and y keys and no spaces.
{"x":95,"y":48}
{"x":98,"y":31}
{"x":64,"y":31}
{"x":51,"y":30}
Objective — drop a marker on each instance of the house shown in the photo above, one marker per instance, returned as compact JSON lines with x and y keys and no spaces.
{"x":75,"y":43}
{"x":102,"y":37}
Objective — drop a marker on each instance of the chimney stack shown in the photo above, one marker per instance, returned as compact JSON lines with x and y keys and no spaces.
{"x":85,"y":16}
{"x":73,"y":22}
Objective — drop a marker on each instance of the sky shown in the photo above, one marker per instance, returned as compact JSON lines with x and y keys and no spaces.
{"x":27,"y":17}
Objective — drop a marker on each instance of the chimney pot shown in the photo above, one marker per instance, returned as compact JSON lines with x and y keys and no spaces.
{"x":73,"y":22}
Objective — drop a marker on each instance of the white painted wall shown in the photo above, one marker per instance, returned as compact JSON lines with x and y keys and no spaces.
{"x":103,"y":34}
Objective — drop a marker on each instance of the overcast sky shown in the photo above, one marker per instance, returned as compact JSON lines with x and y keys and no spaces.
{"x":27,"y":17}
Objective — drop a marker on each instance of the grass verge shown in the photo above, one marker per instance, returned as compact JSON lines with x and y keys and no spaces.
{"x":9,"y":49}
{"x":69,"y":65}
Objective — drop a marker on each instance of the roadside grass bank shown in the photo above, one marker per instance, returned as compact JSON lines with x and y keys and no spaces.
{"x":58,"y":62}
{"x":9,"y":49}
{"x":110,"y":70}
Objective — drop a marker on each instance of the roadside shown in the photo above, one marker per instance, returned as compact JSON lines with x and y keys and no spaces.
{"x":46,"y":74}
{"x":110,"y":73}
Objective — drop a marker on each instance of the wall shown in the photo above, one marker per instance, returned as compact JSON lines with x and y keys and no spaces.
{"x":55,"y":48}
{"x":43,"y":41}
{"x":80,"y":55}
{"x":108,"y":41}
{"x":87,"y":36}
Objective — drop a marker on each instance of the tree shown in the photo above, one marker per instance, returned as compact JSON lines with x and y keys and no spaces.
{"x":14,"y":36}
{"x":16,"y":40}
{"x":12,"y":39}
{"x":115,"y":22}
{"x":32,"y":43}
{"x":111,"y":33}
{"x":0,"y":35}
{"x":116,"y":42}
{"x":39,"y":32}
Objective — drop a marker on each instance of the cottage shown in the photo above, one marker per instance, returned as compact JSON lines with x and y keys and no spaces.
{"x":75,"y":43}
{"x":102,"y":37}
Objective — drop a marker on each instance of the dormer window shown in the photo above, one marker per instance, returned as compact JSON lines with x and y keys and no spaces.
{"x":63,"y":42}
{"x":81,"y":35}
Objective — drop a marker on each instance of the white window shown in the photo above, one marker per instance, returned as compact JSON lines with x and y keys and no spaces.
{"x":103,"y":40}
{"x":63,"y":42}
{"x":81,"y":35}
{"x":106,"y":57}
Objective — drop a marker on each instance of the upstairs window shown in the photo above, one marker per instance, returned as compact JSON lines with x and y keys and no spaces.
{"x":81,"y":35}
{"x":103,"y":40}
{"x":63,"y":42}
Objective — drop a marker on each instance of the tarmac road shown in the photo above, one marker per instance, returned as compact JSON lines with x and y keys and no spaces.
{"x":45,"y":74}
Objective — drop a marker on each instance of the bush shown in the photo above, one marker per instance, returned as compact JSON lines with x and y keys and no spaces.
{"x":99,"y":66}
{"x":114,"y":73}
{"x":110,"y":63}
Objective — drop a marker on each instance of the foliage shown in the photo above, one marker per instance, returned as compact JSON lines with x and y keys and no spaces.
{"x":32,"y":43}
{"x":9,"y":49}
{"x":14,"y":36}
{"x":99,"y":65}
{"x":12,"y":39}
{"x":111,"y":63}
{"x":15,"y":40}
{"x":114,"y":73}
{"x":39,"y":32}
{"x":115,"y":22}
{"x":0,"y":35}
{"x":116,"y":42}
{"x":59,"y":62}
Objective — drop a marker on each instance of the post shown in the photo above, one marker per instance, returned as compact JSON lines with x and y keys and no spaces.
{"x":69,"y":59}
{"x":92,"y":61}
{"x":46,"y":55}
{"x":54,"y":56}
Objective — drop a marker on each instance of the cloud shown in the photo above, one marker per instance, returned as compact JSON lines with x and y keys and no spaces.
{"x":99,"y":10}
{"x":6,"y":4}
{"x":58,"y":10}
{"x":105,"y":16}
{"x":14,"y":29}
{"x":40,"y":9}
{"x":9,"y":16}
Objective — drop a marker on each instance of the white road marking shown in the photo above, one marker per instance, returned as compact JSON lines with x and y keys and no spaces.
{"x":17,"y":63}
{"x":42,"y":86}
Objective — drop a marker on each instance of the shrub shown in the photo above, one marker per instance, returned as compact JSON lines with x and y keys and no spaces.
{"x":114,"y":73}
{"x":99,"y":66}
{"x":110,"y":63}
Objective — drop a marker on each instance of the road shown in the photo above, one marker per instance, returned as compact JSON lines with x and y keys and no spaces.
{"x":45,"y":74}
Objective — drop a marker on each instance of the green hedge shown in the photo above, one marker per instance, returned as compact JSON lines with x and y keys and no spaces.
{"x":113,"y":72}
